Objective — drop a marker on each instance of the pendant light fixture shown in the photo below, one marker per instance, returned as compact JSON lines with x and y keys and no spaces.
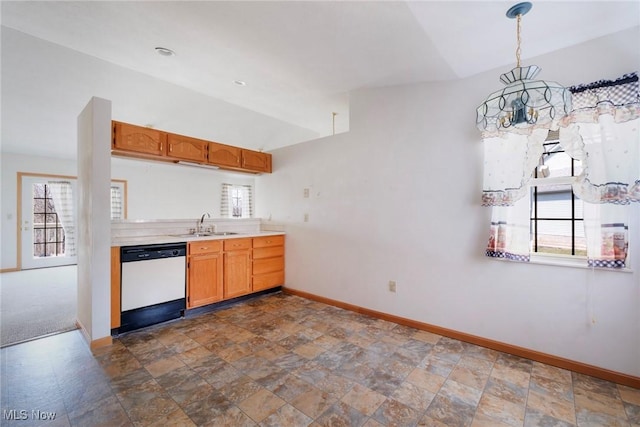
{"x":524,"y":102}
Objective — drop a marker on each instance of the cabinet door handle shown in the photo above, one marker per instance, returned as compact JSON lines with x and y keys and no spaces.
{"x":161,"y":146}
{"x":205,"y":248}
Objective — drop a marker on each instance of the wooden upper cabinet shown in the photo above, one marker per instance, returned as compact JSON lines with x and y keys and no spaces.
{"x":224,"y":155}
{"x":139,"y":139}
{"x":256,"y":161}
{"x":187,"y":148}
{"x":141,"y":142}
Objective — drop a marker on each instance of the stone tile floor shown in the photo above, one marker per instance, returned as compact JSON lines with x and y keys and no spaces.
{"x":281,"y":360}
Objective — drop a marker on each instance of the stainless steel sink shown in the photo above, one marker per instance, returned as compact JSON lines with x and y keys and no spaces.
{"x":219,"y":233}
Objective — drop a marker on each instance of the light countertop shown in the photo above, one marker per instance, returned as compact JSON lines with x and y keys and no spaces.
{"x":151,"y":240}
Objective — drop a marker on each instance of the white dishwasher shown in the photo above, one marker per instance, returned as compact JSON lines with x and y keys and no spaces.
{"x":153,"y":284}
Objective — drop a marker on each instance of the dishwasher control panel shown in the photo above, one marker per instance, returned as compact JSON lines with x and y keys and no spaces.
{"x":146,"y":252}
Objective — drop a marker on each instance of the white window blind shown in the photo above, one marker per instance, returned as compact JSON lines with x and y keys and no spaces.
{"x":237,"y":201}
{"x":116,"y":203}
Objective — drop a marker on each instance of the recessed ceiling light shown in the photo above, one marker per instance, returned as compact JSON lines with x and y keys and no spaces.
{"x":165,"y":51}
{"x":240,"y":82}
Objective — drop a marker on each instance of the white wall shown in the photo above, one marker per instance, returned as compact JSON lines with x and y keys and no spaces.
{"x":12,"y":164}
{"x":167,"y":191}
{"x":398,"y":198}
{"x":155,"y":191}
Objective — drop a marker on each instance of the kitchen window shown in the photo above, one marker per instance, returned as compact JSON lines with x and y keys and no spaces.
{"x":237,"y":201}
{"x":118,"y":199}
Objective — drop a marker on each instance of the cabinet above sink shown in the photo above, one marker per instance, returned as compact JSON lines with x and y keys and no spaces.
{"x":152,"y":144}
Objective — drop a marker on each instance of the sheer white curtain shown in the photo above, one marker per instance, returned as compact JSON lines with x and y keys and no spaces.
{"x":509,"y":161}
{"x":62,"y":195}
{"x":509,"y":234}
{"x":603,"y":132}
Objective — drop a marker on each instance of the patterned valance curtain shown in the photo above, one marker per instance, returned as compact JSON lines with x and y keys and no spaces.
{"x":509,"y":160}
{"x":602,"y":132}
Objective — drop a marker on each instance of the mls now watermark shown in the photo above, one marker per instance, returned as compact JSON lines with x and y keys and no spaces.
{"x":23,"y":415}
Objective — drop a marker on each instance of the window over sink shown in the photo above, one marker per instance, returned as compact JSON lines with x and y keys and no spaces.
{"x":237,"y":201}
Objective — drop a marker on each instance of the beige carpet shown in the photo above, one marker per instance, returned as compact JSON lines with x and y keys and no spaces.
{"x":37,"y":302}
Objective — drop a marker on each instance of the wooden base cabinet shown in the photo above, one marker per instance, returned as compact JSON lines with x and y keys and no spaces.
{"x":237,"y":267}
{"x":268,"y":262}
{"x":204,"y":273}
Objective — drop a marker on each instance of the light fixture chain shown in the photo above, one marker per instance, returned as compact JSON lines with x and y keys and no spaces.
{"x":518,"y":41}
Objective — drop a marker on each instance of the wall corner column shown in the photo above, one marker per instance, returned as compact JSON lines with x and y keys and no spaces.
{"x":94,"y":219}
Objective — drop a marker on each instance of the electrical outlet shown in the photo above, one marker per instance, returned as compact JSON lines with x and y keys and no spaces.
{"x":306,"y":217}
{"x":392,"y":286}
{"x":306,"y":193}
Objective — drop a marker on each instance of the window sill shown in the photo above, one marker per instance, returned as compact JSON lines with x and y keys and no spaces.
{"x":567,"y":261}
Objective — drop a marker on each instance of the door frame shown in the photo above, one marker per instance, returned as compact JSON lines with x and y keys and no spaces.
{"x":19,"y":213}
{"x":20,"y":176}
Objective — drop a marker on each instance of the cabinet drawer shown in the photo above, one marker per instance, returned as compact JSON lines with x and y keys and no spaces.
{"x":268,"y":265}
{"x":268,"y":252}
{"x":263,"y":242}
{"x":204,"y":247}
{"x":235,"y":244}
{"x":268,"y":280}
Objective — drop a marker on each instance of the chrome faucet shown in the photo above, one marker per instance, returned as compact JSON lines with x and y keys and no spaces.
{"x":199,"y":223}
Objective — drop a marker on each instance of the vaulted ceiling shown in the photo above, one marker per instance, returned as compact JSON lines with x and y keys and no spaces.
{"x":299,"y":60}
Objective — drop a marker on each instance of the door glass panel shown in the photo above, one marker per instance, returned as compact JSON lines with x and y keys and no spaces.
{"x":48,"y":234}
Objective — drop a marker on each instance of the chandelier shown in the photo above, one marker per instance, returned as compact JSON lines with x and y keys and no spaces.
{"x":524,"y":102}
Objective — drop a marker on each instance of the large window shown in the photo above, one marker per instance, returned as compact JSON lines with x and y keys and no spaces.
{"x":557,"y":220}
